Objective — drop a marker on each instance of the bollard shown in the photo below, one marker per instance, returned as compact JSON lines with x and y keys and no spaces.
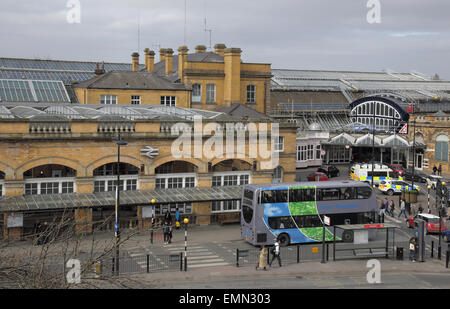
{"x":148,"y":263}
{"x":98,"y":269}
{"x":432,"y":248}
{"x":181,"y":261}
{"x":298,"y":253}
{"x":447,"y":258}
{"x":151,"y":236}
{"x":237,"y":257}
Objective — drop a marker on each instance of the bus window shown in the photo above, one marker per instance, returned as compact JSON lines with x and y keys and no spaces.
{"x":281,"y":223}
{"x":247,"y":213}
{"x":348,"y":193}
{"x":301,"y":195}
{"x":311,"y":221}
{"x":274,"y":196}
{"x":363,"y":192}
{"x":248,"y":194}
{"x":328,"y":194}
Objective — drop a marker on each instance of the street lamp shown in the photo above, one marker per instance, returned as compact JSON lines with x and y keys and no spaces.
{"x":185,"y":221}
{"x":440,"y":218}
{"x":119,"y":143}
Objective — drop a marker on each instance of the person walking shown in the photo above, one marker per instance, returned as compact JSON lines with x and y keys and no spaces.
{"x":177,"y":219}
{"x":402,"y":209}
{"x":420,"y":209}
{"x":276,"y":253}
{"x":166,"y":232}
{"x":440,"y":170}
{"x":391,"y":208}
{"x":262,"y":263}
{"x":434,"y":170}
{"x":382,"y":210}
{"x":412,"y":249}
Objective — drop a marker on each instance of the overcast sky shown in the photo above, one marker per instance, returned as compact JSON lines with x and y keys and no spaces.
{"x":414,"y":35}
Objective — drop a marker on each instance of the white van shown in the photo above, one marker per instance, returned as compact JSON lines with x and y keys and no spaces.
{"x":363,"y":172}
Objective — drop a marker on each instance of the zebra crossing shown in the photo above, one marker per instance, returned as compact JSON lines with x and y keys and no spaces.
{"x":199,"y":256}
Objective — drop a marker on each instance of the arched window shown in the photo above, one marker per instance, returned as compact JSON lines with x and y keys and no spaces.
{"x":441,"y":148}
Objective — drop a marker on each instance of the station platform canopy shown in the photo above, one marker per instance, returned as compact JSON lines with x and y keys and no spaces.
{"x":51,"y":202}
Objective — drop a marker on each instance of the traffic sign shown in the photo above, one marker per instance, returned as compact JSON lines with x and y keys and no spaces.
{"x":327,"y":220}
{"x":404,"y":129}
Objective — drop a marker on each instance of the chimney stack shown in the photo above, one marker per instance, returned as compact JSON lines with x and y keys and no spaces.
{"x":162,"y":54}
{"x":135,"y":62}
{"x":200,"y":48}
{"x":220,"y":49}
{"x":169,"y":56}
{"x":99,"y":71}
{"x":232,"y":59}
{"x":182,"y":59}
{"x":150,"y":60}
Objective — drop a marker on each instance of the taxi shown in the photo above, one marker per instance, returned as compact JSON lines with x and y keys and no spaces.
{"x":390,"y":187}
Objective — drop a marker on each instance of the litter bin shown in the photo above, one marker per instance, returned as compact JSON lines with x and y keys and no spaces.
{"x":399,"y":253}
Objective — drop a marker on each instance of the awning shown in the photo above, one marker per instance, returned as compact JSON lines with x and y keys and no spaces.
{"x":30,"y":203}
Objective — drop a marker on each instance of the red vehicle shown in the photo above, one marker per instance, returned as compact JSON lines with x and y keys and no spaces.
{"x":317,"y":176}
{"x":397,"y":168}
{"x":431,"y":223}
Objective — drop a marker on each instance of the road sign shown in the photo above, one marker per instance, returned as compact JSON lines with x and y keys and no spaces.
{"x":327,"y":220}
{"x":404,"y":129}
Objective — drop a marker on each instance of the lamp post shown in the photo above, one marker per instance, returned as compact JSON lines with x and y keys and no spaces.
{"x":440,"y":218}
{"x":119,"y":143}
{"x":185,"y":221}
{"x":429,"y":210}
{"x":414,"y":154}
{"x":373,"y":141}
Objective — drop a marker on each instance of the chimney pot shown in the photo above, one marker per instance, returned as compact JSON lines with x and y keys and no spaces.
{"x":200,"y":49}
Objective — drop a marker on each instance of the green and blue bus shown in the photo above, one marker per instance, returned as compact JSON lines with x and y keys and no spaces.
{"x":293,"y":212}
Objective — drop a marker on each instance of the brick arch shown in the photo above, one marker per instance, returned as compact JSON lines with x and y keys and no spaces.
{"x":112,"y":159}
{"x":7,"y":170}
{"x":79,"y":168}
{"x":233,"y":157}
{"x":202,"y":166}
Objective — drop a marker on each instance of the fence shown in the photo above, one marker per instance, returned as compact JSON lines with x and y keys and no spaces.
{"x":141,"y":264}
{"x":289,"y":255}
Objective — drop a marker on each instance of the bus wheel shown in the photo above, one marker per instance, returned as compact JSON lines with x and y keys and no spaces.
{"x":284,"y":240}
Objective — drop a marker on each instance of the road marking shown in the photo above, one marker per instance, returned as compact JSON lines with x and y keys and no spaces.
{"x":202,"y":257}
{"x":208,"y":265}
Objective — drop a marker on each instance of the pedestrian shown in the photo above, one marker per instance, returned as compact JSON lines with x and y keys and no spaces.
{"x":412,"y":249}
{"x":177,"y":219}
{"x":262,"y":258}
{"x":166,"y":232}
{"x":434,"y":170}
{"x":391,"y":208}
{"x":383,"y":210}
{"x":170,"y":234}
{"x":168,"y":217}
{"x":420,"y":209}
{"x":402,"y":209}
{"x":276,"y":253}
{"x":440,"y":170}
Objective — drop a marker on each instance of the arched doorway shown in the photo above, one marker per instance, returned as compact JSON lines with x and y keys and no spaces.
{"x":49,"y":179}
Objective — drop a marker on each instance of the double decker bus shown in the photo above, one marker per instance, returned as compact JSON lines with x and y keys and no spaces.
{"x":293,"y":212}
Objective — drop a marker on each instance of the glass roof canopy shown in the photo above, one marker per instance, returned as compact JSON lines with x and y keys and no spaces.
{"x":14,"y":90}
{"x":29,"y":203}
{"x":91,"y":111}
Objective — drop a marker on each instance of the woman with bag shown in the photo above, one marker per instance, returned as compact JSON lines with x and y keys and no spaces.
{"x":262,"y":258}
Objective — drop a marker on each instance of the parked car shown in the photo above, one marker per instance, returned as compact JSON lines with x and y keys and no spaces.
{"x":317,"y":176}
{"x":418,"y":176}
{"x":432,"y":181}
{"x":329,"y":170}
{"x":431,"y":222}
{"x":390,"y":187}
{"x":397,"y":168}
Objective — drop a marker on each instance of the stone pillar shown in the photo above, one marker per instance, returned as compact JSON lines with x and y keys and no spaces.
{"x":143,"y":223}
{"x":83,"y":220}
{"x":202,"y":211}
{"x":13,"y":226}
